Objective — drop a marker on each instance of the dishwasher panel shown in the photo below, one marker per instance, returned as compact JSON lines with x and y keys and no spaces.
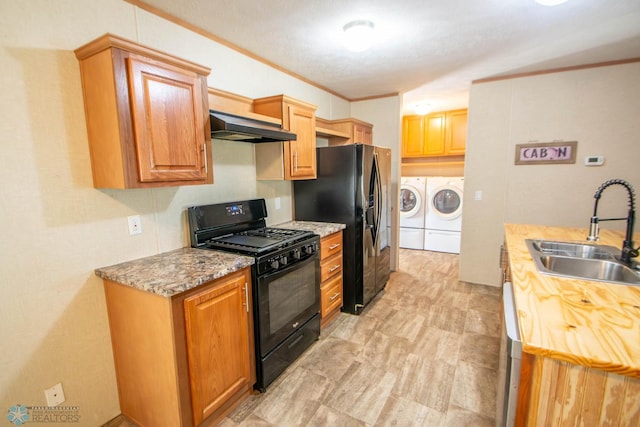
{"x":510,"y":361}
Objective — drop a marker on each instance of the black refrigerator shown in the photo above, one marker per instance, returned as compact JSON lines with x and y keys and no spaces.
{"x":353,"y":188}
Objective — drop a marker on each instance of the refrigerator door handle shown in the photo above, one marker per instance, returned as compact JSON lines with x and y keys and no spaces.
{"x":380,"y":198}
{"x":378,"y":213}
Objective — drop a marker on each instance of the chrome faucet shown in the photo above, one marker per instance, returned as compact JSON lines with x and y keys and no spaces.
{"x":628,"y":251}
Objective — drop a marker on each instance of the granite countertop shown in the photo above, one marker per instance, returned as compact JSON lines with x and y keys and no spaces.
{"x":322,"y":229}
{"x":584,"y":322}
{"x":173,"y":272}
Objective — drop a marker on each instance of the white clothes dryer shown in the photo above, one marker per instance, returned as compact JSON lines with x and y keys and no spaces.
{"x":443,"y":219}
{"x":413,"y":204}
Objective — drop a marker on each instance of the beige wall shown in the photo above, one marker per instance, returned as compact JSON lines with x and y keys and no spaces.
{"x":57,"y":228}
{"x":598,"y":107}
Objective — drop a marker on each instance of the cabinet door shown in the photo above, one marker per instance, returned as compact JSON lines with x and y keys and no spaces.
{"x":301,"y":153}
{"x":330,"y":267}
{"x":358,"y":134}
{"x":168,"y":123}
{"x":412,"y":136}
{"x":456,"y":132}
{"x":368,"y":136}
{"x":218,"y":343}
{"x":434,"y":135}
{"x":363,"y":134}
{"x":331,"y":245}
{"x":330,"y":296}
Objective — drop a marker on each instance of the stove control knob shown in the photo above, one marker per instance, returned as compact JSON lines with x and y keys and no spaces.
{"x":296,"y":254}
{"x":283,"y":260}
{"x":274,"y":264}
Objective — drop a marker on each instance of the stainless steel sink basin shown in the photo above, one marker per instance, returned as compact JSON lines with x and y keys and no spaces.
{"x":582,"y":261}
{"x":575,"y":250}
{"x":591,"y":269}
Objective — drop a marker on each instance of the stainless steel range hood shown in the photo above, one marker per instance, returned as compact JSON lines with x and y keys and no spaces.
{"x":244,"y":129}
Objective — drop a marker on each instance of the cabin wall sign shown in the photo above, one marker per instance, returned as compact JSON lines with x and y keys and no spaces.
{"x":546,"y":153}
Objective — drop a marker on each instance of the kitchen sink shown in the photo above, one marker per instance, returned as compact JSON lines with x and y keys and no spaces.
{"x":575,"y":250}
{"x":582,"y":261}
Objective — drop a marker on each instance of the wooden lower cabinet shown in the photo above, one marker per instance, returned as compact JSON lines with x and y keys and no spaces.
{"x":556,"y":393}
{"x":218,"y":336}
{"x":330,"y":277}
{"x":186,"y":360}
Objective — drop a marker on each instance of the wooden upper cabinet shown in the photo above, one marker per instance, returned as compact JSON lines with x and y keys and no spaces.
{"x":302,"y":151}
{"x":363,"y":133}
{"x":289,"y":160}
{"x":457,"y":132}
{"x":434,"y":132}
{"x":147,"y":116}
{"x":412,"y":136}
{"x":437,"y":134}
{"x":349,"y":131}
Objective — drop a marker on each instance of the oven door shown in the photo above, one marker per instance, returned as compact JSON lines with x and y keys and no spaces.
{"x":286,"y":300}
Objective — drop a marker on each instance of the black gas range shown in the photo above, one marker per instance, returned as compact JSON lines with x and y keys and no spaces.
{"x":286,"y":278}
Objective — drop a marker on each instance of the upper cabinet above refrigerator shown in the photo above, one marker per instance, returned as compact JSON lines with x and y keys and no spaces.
{"x":345,"y":131}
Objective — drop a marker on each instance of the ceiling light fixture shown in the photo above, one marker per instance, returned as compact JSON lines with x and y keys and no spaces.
{"x":550,"y":2}
{"x":358,"y":35}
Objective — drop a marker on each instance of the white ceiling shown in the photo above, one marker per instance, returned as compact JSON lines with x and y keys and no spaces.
{"x":427,"y":50}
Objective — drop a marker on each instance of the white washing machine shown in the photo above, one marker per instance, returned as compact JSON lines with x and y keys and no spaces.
{"x":443,"y":219}
{"x":413,"y":204}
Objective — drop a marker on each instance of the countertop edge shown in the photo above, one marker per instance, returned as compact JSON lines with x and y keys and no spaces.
{"x":541,"y":337}
{"x":173,"y":272}
{"x":170,"y":273}
{"x":323,"y":229}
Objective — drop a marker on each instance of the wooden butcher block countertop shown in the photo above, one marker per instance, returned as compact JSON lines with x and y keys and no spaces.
{"x":588,"y":323}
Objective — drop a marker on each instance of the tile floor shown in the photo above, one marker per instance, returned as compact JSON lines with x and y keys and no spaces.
{"x":423,"y":353}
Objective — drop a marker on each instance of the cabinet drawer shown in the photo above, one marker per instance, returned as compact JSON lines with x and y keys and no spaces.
{"x":331,"y":296}
{"x":330,"y":245}
{"x":330,"y":266}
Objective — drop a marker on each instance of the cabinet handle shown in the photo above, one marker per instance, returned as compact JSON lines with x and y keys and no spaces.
{"x":332,"y":298}
{"x":246,"y":297}
{"x":295,"y":161}
{"x":334,"y":268}
{"x":204,"y":151}
{"x":335,"y":245}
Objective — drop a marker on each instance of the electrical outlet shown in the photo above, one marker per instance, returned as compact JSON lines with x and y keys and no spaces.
{"x":135,"y":226}
{"x":54,"y":395}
